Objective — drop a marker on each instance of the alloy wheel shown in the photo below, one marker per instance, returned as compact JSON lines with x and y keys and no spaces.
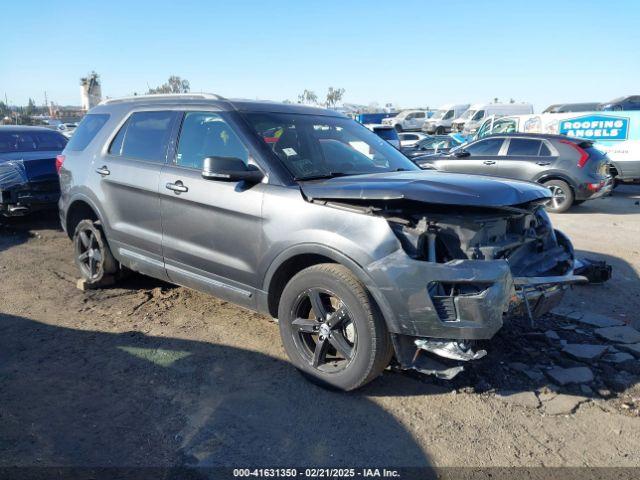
{"x":323,"y":330}
{"x":558,"y":196}
{"x":89,"y":253}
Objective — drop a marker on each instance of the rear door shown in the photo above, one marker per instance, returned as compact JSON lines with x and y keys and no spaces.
{"x":482,"y":158}
{"x":525,"y":158}
{"x":212,"y":230}
{"x":130,"y":172}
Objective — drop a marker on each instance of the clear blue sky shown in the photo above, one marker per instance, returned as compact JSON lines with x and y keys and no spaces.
{"x":414,"y":53}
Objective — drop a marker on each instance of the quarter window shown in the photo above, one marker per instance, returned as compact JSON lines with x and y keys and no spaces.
{"x":206,"y":134}
{"x":86,"y":131}
{"x":524,"y":146}
{"x":544,"y":151}
{"x":116,"y":145}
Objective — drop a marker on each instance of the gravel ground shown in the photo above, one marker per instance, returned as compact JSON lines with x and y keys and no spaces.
{"x":148,"y":374}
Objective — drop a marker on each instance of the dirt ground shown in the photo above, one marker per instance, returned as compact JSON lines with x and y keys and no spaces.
{"x":148,"y":374}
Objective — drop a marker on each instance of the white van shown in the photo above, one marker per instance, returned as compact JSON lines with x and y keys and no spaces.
{"x":441,"y":120}
{"x":469,"y":122}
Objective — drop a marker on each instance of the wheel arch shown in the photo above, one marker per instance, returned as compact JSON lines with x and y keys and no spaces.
{"x":79,"y":209}
{"x":557,"y":176}
{"x":299,"y":257}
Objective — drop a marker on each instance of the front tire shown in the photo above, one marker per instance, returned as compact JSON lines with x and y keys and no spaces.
{"x":562,"y":197}
{"x":331,"y":328}
{"x":398,"y":128}
{"x":92,"y":254}
{"x":440,"y":131}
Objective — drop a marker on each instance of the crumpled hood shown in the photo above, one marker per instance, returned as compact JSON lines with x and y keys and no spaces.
{"x":426,"y":186}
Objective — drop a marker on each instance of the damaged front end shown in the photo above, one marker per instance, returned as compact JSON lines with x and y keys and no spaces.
{"x":460,"y":271}
{"x":22,"y":192}
{"x":479,"y":264}
{"x":473,"y":250}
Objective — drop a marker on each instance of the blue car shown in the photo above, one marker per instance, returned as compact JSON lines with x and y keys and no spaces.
{"x":28,"y":176}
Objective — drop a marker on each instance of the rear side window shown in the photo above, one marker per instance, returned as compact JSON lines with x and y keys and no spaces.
{"x":86,"y":131}
{"x":524,"y":146}
{"x":144,"y":136}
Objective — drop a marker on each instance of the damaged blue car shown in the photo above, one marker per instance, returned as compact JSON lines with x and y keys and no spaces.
{"x":28,"y":176}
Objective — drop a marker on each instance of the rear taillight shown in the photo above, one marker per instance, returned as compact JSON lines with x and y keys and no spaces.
{"x":584,"y":155}
{"x":59,"y":162}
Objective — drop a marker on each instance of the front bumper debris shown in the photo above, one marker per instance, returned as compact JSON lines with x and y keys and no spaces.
{"x":449,"y":349}
{"x":595,"y":271}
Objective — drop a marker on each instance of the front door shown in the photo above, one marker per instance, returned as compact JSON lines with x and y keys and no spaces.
{"x":212,"y":230}
{"x":482,"y":158}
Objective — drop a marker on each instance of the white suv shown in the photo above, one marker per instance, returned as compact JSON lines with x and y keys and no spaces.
{"x":407,"y":120}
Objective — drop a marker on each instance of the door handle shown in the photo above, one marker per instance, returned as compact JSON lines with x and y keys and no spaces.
{"x":543,"y":164}
{"x":103,"y":170}
{"x":489,"y":162}
{"x":177,"y":187}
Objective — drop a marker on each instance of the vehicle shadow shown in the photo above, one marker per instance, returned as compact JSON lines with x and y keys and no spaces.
{"x":17,"y":230}
{"x":95,"y":399}
{"x":625,"y":200}
{"x":619,"y":297}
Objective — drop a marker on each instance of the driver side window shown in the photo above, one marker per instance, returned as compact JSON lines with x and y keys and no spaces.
{"x":490,"y":146}
{"x":207,"y":134}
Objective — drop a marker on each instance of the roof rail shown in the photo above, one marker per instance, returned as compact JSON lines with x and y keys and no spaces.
{"x":163,"y":96}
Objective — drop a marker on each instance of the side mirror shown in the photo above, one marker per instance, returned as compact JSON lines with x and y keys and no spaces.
{"x":461,"y":153}
{"x":230,"y":169}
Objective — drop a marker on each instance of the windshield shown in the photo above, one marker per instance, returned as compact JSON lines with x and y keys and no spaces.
{"x":439,"y":114}
{"x":467,"y":115}
{"x":436,"y":143}
{"x":31,"y":141}
{"x":478,"y":116}
{"x":313,"y":146}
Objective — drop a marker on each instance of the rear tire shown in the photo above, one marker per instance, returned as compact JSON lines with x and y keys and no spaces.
{"x":92,"y":254}
{"x":562,"y":196}
{"x":331,"y":328}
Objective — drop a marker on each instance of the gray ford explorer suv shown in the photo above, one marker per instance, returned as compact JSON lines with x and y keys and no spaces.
{"x":308,"y":216}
